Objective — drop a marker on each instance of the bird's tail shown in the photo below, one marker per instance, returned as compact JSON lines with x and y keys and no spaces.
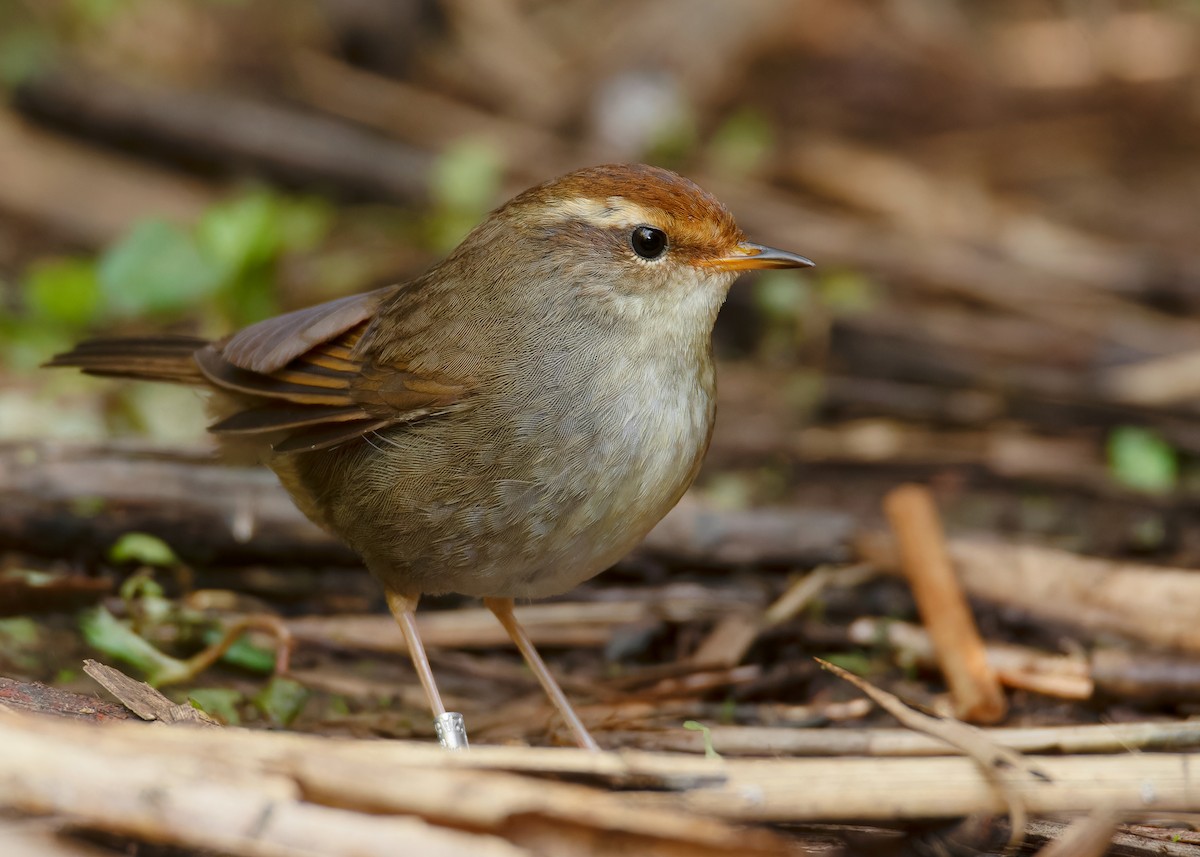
{"x":150,"y":358}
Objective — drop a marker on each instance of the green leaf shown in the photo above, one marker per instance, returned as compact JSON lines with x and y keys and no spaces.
{"x":98,"y":12}
{"x":19,"y":630}
{"x":65,"y":675}
{"x":781,"y":296}
{"x":219,"y":702}
{"x":853,"y":662}
{"x":845,"y":293}
{"x":695,"y":726}
{"x":157,"y":268}
{"x":303,"y":223}
{"x":105,"y":633}
{"x":467,"y":176}
{"x":241,"y":233}
{"x":281,"y":701}
{"x":252,"y":297}
{"x":25,"y":347}
{"x":24,"y":51}
{"x":743,"y":142}
{"x":674,"y":139}
{"x":144,"y":549}
{"x":243,"y":653}
{"x":21,"y":643}
{"x":1139,"y":458}
{"x":63,"y":291}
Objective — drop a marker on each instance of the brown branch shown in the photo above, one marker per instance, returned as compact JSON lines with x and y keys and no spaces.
{"x":943,"y":607}
{"x":230,"y":131}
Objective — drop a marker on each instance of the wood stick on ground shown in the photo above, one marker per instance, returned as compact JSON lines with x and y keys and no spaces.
{"x":998,"y":764}
{"x":1151,"y":604}
{"x":1128,"y":840}
{"x":80,"y":766}
{"x":239,"y":801}
{"x":228,"y":129}
{"x":564,"y":623}
{"x":1088,"y":837}
{"x":943,"y":607}
{"x":1062,"y":676}
{"x":39,"y":838}
{"x":733,"y":635}
{"x":44,"y":172}
{"x":1170,"y":736}
{"x":143,"y":700}
{"x":37,"y":698}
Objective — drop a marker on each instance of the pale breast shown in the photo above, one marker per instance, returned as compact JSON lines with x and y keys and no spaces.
{"x":649,"y":429}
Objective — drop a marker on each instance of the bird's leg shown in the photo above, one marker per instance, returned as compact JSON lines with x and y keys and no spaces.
{"x":451,"y":731}
{"x":503,"y":608}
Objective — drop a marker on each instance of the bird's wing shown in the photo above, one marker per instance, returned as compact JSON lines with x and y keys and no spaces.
{"x":308,"y":386}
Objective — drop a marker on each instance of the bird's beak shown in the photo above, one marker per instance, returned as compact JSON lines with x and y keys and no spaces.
{"x":750,"y":257}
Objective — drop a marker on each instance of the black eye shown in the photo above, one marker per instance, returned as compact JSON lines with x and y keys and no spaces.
{"x":648,"y":242}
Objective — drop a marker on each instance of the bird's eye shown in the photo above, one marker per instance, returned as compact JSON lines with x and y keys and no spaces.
{"x":648,"y":242}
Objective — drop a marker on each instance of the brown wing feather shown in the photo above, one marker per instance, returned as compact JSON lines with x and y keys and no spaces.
{"x":151,"y":358}
{"x":325,"y":392}
{"x":272,"y":344}
{"x":325,"y":436}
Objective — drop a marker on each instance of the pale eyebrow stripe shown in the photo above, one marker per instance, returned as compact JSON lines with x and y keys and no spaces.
{"x":613,"y":211}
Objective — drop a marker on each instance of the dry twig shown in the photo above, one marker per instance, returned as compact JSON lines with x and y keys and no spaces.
{"x":944,"y":610}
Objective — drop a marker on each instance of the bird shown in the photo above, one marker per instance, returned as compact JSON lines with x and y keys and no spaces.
{"x":508,"y":424}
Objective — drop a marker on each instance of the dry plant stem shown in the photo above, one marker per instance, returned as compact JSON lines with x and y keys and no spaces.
{"x":41,"y":168}
{"x":103,"y":770}
{"x":39,"y":838}
{"x":223,"y":127}
{"x":733,"y":636}
{"x":1127,"y":841}
{"x":273,"y":625}
{"x":567,"y":624}
{"x":1061,"y":676}
{"x":241,"y":796}
{"x":783,"y":741}
{"x":1090,"y":836}
{"x":1150,"y":604}
{"x":503,"y":608}
{"x":37,"y":698}
{"x":995,"y":762}
{"x":943,"y":607}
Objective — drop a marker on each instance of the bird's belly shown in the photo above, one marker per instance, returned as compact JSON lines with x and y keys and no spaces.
{"x":521,"y":502}
{"x":602,"y":497}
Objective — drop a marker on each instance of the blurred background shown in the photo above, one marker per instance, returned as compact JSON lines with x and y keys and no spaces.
{"x":1003,"y":199}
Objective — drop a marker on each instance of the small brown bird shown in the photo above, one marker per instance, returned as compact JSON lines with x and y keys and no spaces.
{"x":507,"y":425}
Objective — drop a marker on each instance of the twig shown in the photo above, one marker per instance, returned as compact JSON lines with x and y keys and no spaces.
{"x":230,"y":634}
{"x":943,"y":607}
{"x":1172,"y":736}
{"x":1088,"y":837}
{"x":44,"y":171}
{"x":1065,"y":677}
{"x":992,"y":758}
{"x":733,"y":636}
{"x":400,"y":777}
{"x":143,"y":700}
{"x":568,"y":623}
{"x":39,"y":838}
{"x":1142,"y":602}
{"x":231,"y":130}
{"x":35,"y":698}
